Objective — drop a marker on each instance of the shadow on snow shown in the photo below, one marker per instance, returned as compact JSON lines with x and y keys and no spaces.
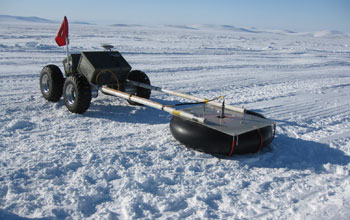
{"x":130,"y":113}
{"x":298,"y":154}
{"x":283,"y":152}
{"x":9,"y":216}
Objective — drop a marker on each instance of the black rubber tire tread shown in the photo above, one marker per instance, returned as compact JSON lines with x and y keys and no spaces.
{"x":56,"y":83}
{"x":250,"y":112}
{"x":83,"y":93}
{"x":139,"y":76}
{"x":200,"y":138}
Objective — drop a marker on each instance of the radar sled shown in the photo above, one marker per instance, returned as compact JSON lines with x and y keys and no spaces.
{"x":208,"y":126}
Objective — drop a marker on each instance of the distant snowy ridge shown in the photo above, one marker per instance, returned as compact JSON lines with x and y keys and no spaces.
{"x":28,"y":19}
{"x":253,"y":30}
{"x":231,"y":28}
{"x":209,"y":27}
{"x":327,"y":33}
{"x":224,"y":27}
{"x":126,"y":25}
{"x":10,"y":18}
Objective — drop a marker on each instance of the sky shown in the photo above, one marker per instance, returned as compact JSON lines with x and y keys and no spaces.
{"x":297,"y":15}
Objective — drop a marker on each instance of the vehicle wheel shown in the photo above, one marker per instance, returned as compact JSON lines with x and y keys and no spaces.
{"x":77,"y":94}
{"x":51,"y":83}
{"x":139,"y":76}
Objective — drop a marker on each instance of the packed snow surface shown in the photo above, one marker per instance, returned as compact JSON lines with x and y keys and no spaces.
{"x":118,"y":161}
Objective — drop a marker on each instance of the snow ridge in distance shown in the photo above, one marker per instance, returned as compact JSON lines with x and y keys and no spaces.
{"x":28,"y":19}
{"x":252,"y":30}
{"x":33,"y":19}
{"x":230,"y":28}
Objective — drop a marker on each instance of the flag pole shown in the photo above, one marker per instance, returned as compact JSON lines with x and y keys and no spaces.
{"x":62,"y":38}
{"x":68,"y":63}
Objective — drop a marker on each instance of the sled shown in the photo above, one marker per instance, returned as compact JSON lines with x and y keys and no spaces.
{"x":208,"y":126}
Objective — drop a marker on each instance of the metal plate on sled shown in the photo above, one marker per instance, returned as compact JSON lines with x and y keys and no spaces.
{"x":234,"y":123}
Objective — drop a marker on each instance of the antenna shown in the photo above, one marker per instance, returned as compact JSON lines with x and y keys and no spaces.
{"x":107,"y":47}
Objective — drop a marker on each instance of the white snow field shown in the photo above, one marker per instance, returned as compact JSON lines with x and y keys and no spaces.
{"x":118,"y":161}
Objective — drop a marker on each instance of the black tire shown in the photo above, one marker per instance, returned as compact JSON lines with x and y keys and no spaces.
{"x":205,"y":139}
{"x":139,"y":76}
{"x":77,"y":94}
{"x":51,"y":83}
{"x":250,"y":112}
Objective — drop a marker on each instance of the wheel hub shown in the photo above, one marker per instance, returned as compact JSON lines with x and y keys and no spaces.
{"x":70,"y":94}
{"x":45,"y":83}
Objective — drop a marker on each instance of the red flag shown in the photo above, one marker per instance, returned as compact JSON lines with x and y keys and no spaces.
{"x":62,"y":35}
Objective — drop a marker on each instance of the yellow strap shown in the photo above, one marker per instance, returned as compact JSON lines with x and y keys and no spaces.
{"x":176,"y":112}
{"x":206,"y":100}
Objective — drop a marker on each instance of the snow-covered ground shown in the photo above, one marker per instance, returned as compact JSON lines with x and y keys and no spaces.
{"x":121,"y":162}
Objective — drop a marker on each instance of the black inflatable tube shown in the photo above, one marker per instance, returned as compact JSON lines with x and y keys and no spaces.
{"x":201,"y":138}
